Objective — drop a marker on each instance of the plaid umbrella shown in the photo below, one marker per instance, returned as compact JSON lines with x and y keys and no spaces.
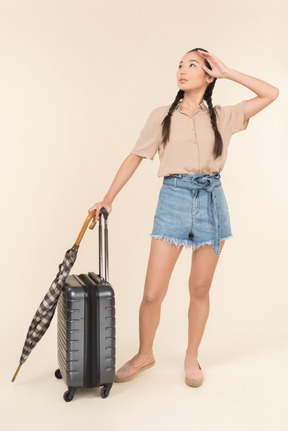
{"x":45,"y":312}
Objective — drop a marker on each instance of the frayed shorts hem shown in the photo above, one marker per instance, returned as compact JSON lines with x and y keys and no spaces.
{"x":172,"y":240}
{"x":187,"y":243}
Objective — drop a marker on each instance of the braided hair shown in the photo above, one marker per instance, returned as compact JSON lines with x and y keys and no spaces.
{"x":218,"y":145}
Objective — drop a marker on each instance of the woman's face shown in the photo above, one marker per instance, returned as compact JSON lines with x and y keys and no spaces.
{"x":190,"y":70}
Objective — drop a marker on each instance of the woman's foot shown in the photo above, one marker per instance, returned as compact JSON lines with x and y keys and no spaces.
{"x":193,"y":372}
{"x":191,"y":361}
{"x":133,"y":367}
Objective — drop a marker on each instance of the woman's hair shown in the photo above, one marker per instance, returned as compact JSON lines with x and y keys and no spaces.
{"x":217,"y":151}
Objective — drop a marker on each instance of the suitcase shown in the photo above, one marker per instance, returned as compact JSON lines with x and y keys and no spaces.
{"x":86,"y":328}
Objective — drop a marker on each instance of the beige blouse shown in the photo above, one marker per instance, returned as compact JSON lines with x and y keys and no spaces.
{"x":190,"y":146}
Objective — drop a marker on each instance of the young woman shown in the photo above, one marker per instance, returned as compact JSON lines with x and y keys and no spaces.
{"x":192,"y":140}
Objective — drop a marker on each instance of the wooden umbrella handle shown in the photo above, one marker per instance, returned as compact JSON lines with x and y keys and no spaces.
{"x":92,"y":225}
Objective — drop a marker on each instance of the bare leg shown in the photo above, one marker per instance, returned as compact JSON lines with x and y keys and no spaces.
{"x":162,"y":259}
{"x":204,"y":262}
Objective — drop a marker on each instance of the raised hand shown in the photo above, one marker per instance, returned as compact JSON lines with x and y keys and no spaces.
{"x":219,"y":70}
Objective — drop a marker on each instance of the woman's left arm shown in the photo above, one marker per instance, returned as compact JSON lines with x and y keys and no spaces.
{"x":266,"y":93}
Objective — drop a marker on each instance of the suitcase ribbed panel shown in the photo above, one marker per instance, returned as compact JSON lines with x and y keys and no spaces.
{"x":106,"y":333}
{"x":71,"y":335}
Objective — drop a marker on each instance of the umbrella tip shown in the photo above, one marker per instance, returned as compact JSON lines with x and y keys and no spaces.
{"x":16,"y":372}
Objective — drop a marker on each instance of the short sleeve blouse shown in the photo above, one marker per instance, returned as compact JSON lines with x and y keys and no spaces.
{"x":190,"y":146}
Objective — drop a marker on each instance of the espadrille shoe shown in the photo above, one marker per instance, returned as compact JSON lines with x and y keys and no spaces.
{"x":194,"y":376}
{"x":128,"y":371}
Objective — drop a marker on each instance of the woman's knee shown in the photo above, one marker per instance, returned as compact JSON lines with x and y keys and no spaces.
{"x":154,"y":295}
{"x":199,"y":289}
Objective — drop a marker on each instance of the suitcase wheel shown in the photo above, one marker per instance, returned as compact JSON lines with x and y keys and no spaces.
{"x":105,"y":390}
{"x":58,"y":374}
{"x":69,"y":395}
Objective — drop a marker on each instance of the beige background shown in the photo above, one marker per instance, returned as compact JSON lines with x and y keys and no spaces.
{"x":78,"y":80}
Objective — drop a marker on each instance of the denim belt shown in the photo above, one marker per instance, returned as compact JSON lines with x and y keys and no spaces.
{"x":206,"y":182}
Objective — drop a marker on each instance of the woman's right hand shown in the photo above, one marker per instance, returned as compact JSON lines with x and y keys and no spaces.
{"x":98,"y":207}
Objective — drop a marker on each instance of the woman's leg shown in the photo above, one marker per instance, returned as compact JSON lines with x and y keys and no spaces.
{"x":204,"y":262}
{"x":162,"y":259}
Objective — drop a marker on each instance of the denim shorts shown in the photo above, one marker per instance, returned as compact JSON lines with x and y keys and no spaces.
{"x":192,"y":211}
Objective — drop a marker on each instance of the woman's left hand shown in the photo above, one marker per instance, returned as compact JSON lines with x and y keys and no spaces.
{"x":219,"y":70}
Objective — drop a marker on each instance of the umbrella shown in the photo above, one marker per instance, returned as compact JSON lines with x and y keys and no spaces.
{"x":45,"y":312}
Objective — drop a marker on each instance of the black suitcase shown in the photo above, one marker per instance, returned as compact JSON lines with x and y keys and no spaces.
{"x":86,"y":328}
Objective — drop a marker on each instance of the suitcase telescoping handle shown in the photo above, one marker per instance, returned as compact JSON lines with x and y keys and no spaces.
{"x":101,"y":245}
{"x":92,"y":225}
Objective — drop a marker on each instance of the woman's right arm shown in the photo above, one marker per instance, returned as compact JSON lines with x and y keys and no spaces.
{"x":126,"y":170}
